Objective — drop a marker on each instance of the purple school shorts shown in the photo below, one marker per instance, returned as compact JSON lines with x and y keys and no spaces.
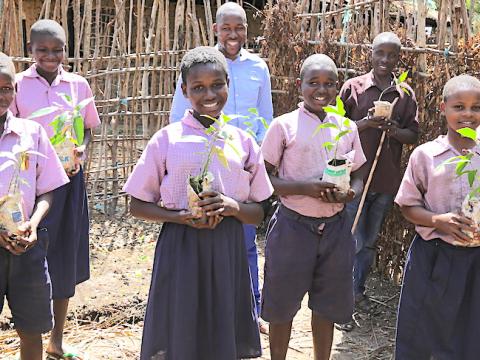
{"x":25,"y":282}
{"x":299,"y":258}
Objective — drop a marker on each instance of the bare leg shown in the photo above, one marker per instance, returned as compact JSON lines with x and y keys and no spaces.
{"x":279,"y":338}
{"x":30,"y":346}
{"x":322,"y":331}
{"x":60,"y":308}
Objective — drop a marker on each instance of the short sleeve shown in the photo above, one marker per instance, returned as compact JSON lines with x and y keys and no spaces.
{"x":145,"y":180}
{"x":260,"y":186}
{"x":49,"y":172}
{"x":412,"y":187}
{"x":91,"y":118}
{"x":274,"y":143}
{"x":359,"y":157}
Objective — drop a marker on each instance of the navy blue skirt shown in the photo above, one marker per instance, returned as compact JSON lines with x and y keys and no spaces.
{"x":68,"y":228}
{"x":439,"y":311}
{"x":200,"y":304}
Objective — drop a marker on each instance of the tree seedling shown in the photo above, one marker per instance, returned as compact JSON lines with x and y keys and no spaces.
{"x":12,"y":212}
{"x":464,"y":167}
{"x":338,"y":169}
{"x":385,"y":108}
{"x":68,"y":128}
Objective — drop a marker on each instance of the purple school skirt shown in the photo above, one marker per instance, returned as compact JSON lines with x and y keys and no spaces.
{"x":439,"y":311}
{"x":200,"y":304}
{"x":68,"y":227}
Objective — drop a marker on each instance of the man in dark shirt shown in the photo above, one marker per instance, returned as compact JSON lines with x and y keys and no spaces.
{"x":358,"y":95}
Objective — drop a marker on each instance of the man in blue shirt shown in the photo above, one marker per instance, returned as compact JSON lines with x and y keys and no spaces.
{"x":249,"y":87}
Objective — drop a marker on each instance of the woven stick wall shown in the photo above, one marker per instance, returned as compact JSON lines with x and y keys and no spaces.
{"x":129,"y":50}
{"x":293,"y":31}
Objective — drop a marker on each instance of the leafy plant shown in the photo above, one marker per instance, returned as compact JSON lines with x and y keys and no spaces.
{"x":343,"y":129}
{"x":254,"y":112}
{"x":462,"y":161}
{"x":213,"y":135}
{"x":19,"y":158}
{"x":67,"y":125}
{"x":399,"y":83}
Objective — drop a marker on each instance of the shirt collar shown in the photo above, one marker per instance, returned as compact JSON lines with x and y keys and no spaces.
{"x":370,"y":81}
{"x":11,"y":125}
{"x":61,"y":76}
{"x":442,"y":145}
{"x":189,"y":120}
{"x":303,"y":110}
{"x":242,"y":56}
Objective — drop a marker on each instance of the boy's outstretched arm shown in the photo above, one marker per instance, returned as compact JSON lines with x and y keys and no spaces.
{"x":283,"y":187}
{"x":450,"y":223}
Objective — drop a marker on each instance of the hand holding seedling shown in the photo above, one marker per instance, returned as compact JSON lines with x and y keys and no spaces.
{"x":19,"y":243}
{"x":316,"y":188}
{"x":214,"y":203}
{"x":74,"y":171}
{"x":185,"y":217}
{"x":336,"y":195}
{"x":454,"y":225}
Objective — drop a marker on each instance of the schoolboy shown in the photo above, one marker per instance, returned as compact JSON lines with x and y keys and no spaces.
{"x":40,"y":86}
{"x":438,"y":314}
{"x":249,"y":87}
{"x":309,"y":245}
{"x":24,"y":278}
{"x":358,"y":95}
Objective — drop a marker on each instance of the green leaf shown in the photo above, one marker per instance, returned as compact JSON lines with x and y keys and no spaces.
{"x":405,"y":90}
{"x":221,"y":156}
{"x":328,"y":145}
{"x":347,"y":123}
{"x":264,"y":122}
{"x":452,"y":160}
{"x":324,"y":126}
{"x":330,"y":109}
{"x":251,"y":132}
{"x":58,"y":138}
{"x":42,"y":112}
{"x":253,"y":111}
{"x":234,"y":148}
{"x":471,"y":177}
{"x":460,"y":166}
{"x":78,"y":128}
{"x":248,"y":123}
{"x":468,"y":133}
{"x":474,"y":192}
{"x":67,"y":97}
{"x":340,"y":106}
{"x":403,"y":76}
{"x":83,"y":103}
{"x":341,"y":134}
{"x":58,"y":122}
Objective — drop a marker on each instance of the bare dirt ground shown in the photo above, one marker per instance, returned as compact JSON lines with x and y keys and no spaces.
{"x":106,"y":314}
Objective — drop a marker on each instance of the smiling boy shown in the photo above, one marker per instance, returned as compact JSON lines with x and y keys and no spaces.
{"x":309,"y":246}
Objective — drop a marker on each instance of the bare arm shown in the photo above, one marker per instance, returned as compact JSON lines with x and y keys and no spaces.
{"x":449,"y":223}
{"x":284,"y":187}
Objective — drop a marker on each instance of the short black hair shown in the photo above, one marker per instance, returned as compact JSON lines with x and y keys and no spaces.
{"x":202,"y":55}
{"x":460,"y":83}
{"x":320,"y":60}
{"x":230,"y":8}
{"x":47,"y":27}
{"x":6,"y":66}
{"x":387,"y":38}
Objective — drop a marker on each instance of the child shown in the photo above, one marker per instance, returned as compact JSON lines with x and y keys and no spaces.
{"x":439,"y":311}
{"x":24,"y":279}
{"x":249,"y":87}
{"x":41,"y":86}
{"x":309,"y":244}
{"x":200,"y":304}
{"x":358,"y":95}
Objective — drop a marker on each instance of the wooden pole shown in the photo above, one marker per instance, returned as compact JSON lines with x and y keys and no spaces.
{"x":369,"y":181}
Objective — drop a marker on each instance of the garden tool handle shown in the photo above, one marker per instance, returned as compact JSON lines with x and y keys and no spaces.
{"x":369,"y":180}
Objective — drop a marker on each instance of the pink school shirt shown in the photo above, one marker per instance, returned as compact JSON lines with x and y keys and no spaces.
{"x":44,"y":174}
{"x":299,"y":156}
{"x":435,"y":188}
{"x":34,"y":93}
{"x":161,"y":173}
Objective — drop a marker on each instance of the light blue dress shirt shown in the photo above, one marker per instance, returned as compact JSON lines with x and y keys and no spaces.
{"x":249,"y":88}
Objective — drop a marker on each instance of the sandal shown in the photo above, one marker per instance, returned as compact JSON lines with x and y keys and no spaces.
{"x":67,"y":355}
{"x":347,"y":327}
